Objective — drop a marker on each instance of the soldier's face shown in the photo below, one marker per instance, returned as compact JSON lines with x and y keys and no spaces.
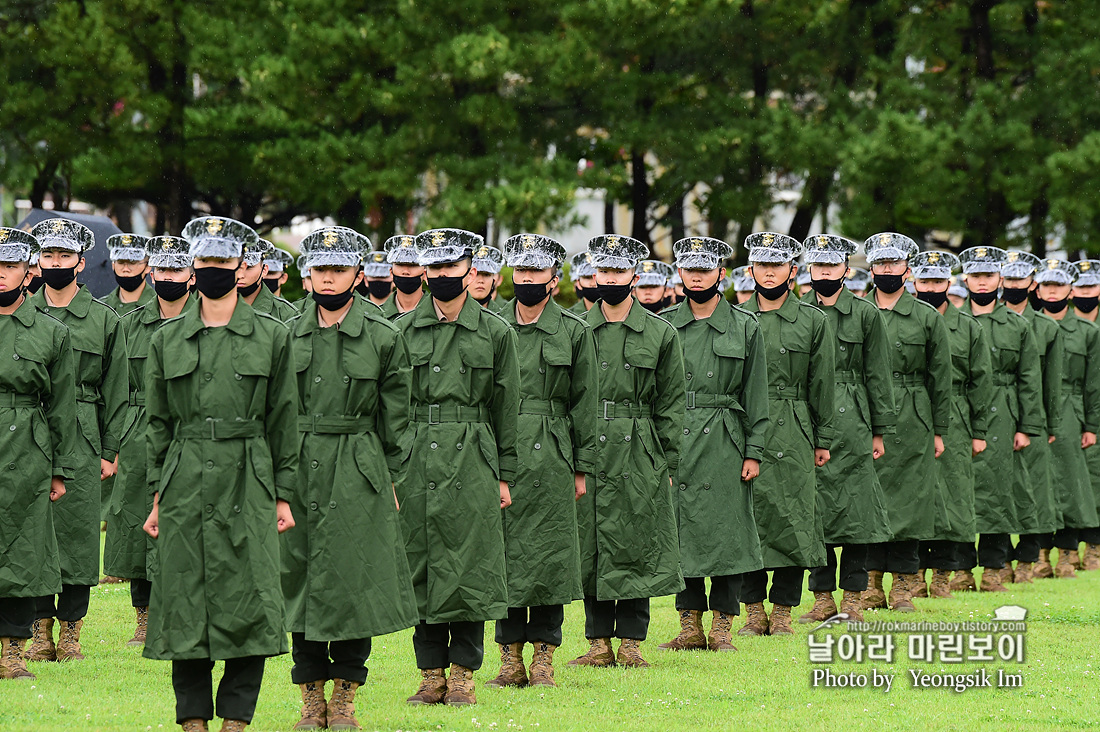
{"x":649,"y":293}
{"x":482,"y":285}
{"x":279,"y":277}
{"x":981,"y":282}
{"x":1053,"y":291}
{"x":60,"y":259}
{"x":13,"y":275}
{"x":931,"y":285}
{"x":615,"y":277}
{"x":1086,"y":291}
{"x":893,"y":267}
{"x":307,"y":284}
{"x":771,"y":274}
{"x":701,"y":279}
{"x":334,"y":280}
{"x":821,"y":271}
{"x":250,"y":275}
{"x":130,"y":268}
{"x":164,"y":274}
{"x":743,"y":296}
{"x":587,"y":282}
{"x":1018,"y":283}
{"x":407,"y":270}
{"x":235,"y":263}
{"x":534,"y":276}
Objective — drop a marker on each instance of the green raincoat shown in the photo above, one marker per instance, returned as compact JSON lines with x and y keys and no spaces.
{"x":276,"y":307}
{"x":627,"y":523}
{"x":799,"y":350}
{"x":1037,"y":508}
{"x":460,"y":443}
{"x":148,"y":295}
{"x":389,"y":307}
{"x":920,"y":356}
{"x":126,"y":546}
{"x":1092,"y":457}
{"x":850,"y":498}
{"x":725,"y":423}
{"x":37,"y":405}
{"x":1001,"y":479}
{"x":578,"y":308}
{"x":345,"y":574}
{"x":222,"y":446}
{"x":557,"y":436}
{"x":102,"y":397}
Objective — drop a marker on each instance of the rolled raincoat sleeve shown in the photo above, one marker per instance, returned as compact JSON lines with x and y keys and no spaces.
{"x":754,"y":388}
{"x":876,"y":377}
{"x":158,"y":433}
{"x":1092,"y":382}
{"x":938,"y":375}
{"x":668,"y":410}
{"x":504,"y":406}
{"x":582,"y":402}
{"x":281,"y":419}
{"x":1052,"y":381}
{"x":979,"y":386}
{"x":114,"y":390}
{"x":395,"y":394}
{"x":821,"y":383}
{"x":59,"y":408}
{"x":1029,"y":386}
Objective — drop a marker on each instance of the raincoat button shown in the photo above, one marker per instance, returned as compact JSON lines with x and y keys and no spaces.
{"x":209,"y":464}
{"x":313,"y":506}
{"x":15,"y":356}
{"x":782,"y":350}
{"x":842,"y":410}
{"x":209,"y":509}
{"x":431,"y":486}
{"x":347,"y":379}
{"x":208,"y":376}
{"x":537,"y":484}
{"x":435,"y":369}
{"x":686,"y":431}
{"x":12,"y":428}
{"x":461,"y":369}
{"x":706,"y":430}
{"x":238,"y":377}
{"x":435,"y":445}
{"x":710,"y":374}
{"x":542,"y":370}
{"x":843,"y":348}
{"x":604,"y":365}
{"x":683,"y":486}
{"x":603,"y":438}
{"x":314,"y":464}
{"x":317,"y":380}
{"x":11,"y":466}
{"x":781,"y":421}
{"x":236,"y":509}
{"x":779,"y":454}
{"x":458,"y":446}
{"x":626,"y":366}
{"x":332,"y":504}
{"x":626,"y":439}
{"x":538,"y":446}
{"x":706,"y":486}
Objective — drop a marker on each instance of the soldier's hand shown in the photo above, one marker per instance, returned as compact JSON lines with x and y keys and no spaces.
{"x":821,"y":456}
{"x":1020,"y":441}
{"x":395,"y":501}
{"x":938,"y":441}
{"x":505,"y":495}
{"x":878,"y":447}
{"x":151,"y":525}
{"x":977,"y":447}
{"x":285,"y":517}
{"x":107,"y":468}
{"x":579,"y":488}
{"x":1050,"y":440}
{"x":57,"y":487}
{"x":750,"y":469}
{"x":1088,"y":439}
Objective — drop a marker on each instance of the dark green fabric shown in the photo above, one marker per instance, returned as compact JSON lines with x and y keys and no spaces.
{"x":148,"y":294}
{"x":1037,"y":506}
{"x":276,"y":307}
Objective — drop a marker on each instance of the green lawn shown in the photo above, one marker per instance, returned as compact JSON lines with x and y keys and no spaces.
{"x":766,"y":685}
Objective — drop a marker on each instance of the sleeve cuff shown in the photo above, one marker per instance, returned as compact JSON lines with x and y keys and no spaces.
{"x":673,"y":465}
{"x":884,"y":427}
{"x":754,"y":452}
{"x":940,"y":429}
{"x":109,"y":455}
{"x":283,"y":492}
{"x":977,"y":434}
{"x":584,"y":460}
{"x":507,"y":470}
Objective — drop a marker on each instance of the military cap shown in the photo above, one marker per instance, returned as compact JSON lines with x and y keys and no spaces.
{"x":910,"y":287}
{"x":743,"y":280}
{"x":1088,"y":272}
{"x":982,"y":259}
{"x":277,"y":260}
{"x":701,"y":252}
{"x":533,"y":251}
{"x":675,"y":279}
{"x":169,"y":252}
{"x":1019,"y":265}
{"x":17,"y":245}
{"x":889,"y":247}
{"x":1056,"y":271}
{"x":487,"y":259}
{"x":402,"y":249}
{"x":828,"y":249}
{"x":614,"y":251}
{"x":958,"y":289}
{"x":858,"y":279}
{"x":34,"y":257}
{"x":302,"y":268}
{"x":933,"y":265}
{"x":444,"y":246}
{"x":127,"y":247}
{"x":215,"y":237}
{"x":653,"y":273}
{"x":768,"y":247}
{"x":256,"y":252}
{"x":376,"y":265}
{"x":580,"y":265}
{"x":802,"y":276}
{"x":334,"y":246}
{"x":63,"y":234}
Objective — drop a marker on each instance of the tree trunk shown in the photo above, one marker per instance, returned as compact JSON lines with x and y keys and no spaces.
{"x":1037,"y":224}
{"x":608,"y":214}
{"x":639,"y":197}
{"x":814,"y":196}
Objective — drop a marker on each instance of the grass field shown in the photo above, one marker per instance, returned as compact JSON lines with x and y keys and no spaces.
{"x":765,"y":685}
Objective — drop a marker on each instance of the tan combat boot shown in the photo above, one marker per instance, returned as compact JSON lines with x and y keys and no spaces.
{"x":691,"y":636}
{"x":941,"y":584}
{"x":512,"y":672}
{"x":1024,"y":574}
{"x":919,"y":586}
{"x":721,"y":627}
{"x":823,"y":609}
{"x":1064,"y":568}
{"x":780,"y":620}
{"x":756,"y":620}
{"x":12,"y":665}
{"x":991,"y":580}
{"x":233,"y":725}
{"x":194,"y":725}
{"x":542,"y":665}
{"x":600,"y":654}
{"x":1043,"y":568}
{"x":851,"y":604}
{"x":433,"y":687}
{"x":112,"y":580}
{"x":1090,"y":562}
{"x":630,"y":654}
{"x":341,"y":707}
{"x":42,"y":646}
{"x":142,"y":627}
{"x":314,"y":714}
{"x":900,"y":599}
{"x":460,"y":687}
{"x":874,"y":597}
{"x":1008,"y":575}
{"x":68,"y":641}
{"x":963,"y":581}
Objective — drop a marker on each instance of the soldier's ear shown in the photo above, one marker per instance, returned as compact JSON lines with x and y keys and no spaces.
{"x":80,"y":265}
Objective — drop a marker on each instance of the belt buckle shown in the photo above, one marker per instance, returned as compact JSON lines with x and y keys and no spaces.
{"x":431,"y":419}
{"x":606,"y":404}
{"x":210,"y":421}
{"x":690,"y":399}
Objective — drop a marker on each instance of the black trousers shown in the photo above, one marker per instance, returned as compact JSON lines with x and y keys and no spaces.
{"x":324,"y":660}
{"x":786,"y":586}
{"x":72,"y":604}
{"x":1067,"y":539}
{"x":899,"y":557}
{"x":853,"y":569}
{"x":616,"y":618}
{"x":994,"y":550}
{"x":725,"y":594}
{"x":140,"y":589}
{"x":237,"y":692}
{"x":947,"y":555}
{"x":438,"y":645}
{"x":535,"y":624}
{"x":1027,"y":548}
{"x":1090,"y":536}
{"x":16,"y":617}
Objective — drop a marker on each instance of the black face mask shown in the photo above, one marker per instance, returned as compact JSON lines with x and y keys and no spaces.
{"x":531,"y":293}
{"x":407,"y":285}
{"x":332,"y":302}
{"x":654,"y":307}
{"x":129,"y":283}
{"x":8,"y":297}
{"x":271,"y":284}
{"x":935,"y":299}
{"x":249,"y":290}
{"x":170,"y":291}
{"x":1034,"y":301}
{"x":1055,"y":306}
{"x":982,"y":299}
{"x":677,"y":299}
{"x":773,"y":293}
{"x":1085,"y":304}
{"x":379,"y":289}
{"x":483,"y":301}
{"x":888,"y":283}
{"x":446,"y":289}
{"x":215,"y":282}
{"x":58,"y":278}
{"x":1014,"y":295}
{"x":613,"y":294}
{"x":35,"y":284}
{"x":827,"y":288}
{"x":701,"y":296}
